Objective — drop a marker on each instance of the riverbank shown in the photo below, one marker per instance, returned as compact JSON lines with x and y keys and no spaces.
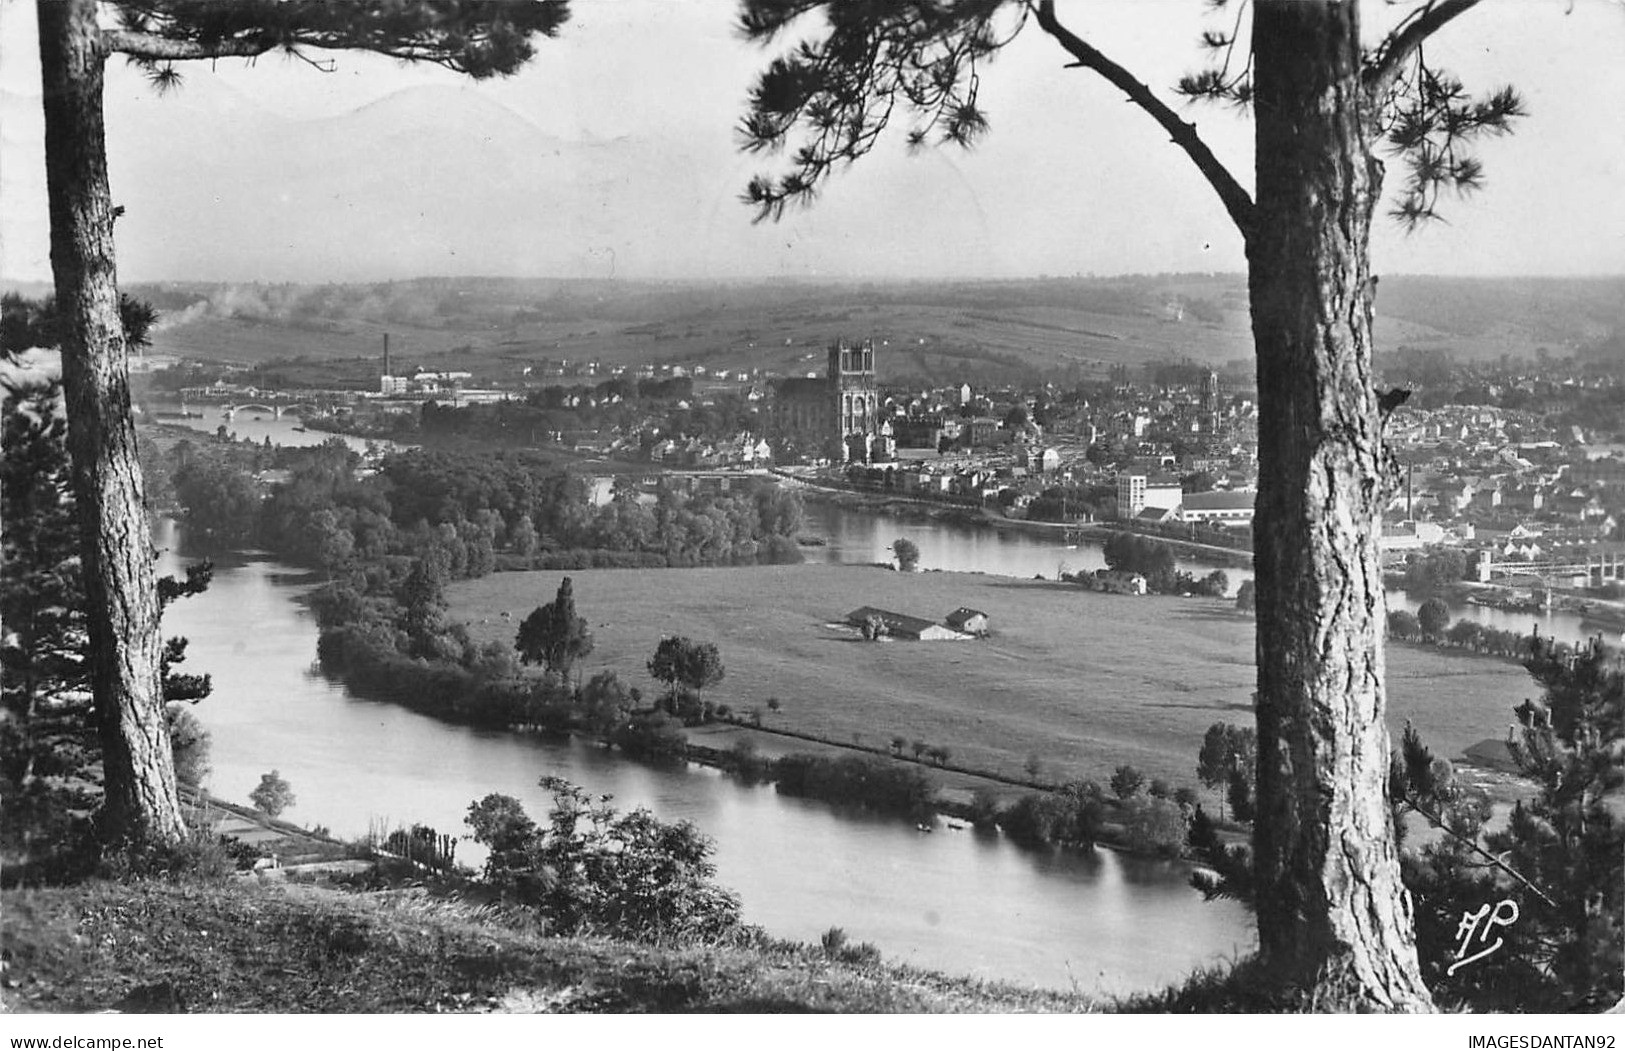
{"x":925,"y":510}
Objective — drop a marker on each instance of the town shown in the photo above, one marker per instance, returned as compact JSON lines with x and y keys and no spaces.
{"x":1517,"y":466}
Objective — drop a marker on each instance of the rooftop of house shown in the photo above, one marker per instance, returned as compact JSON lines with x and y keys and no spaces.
{"x":1220,"y":500}
{"x":897,"y":623}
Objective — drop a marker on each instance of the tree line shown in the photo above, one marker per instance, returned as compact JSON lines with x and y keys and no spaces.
{"x":1132,"y":553}
{"x":1431,"y":624}
{"x":479,"y":512}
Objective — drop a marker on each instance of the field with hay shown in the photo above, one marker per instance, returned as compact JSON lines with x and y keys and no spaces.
{"x":1084,"y":681}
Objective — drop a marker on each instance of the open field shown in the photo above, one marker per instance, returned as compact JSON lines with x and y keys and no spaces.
{"x":1083,"y":680}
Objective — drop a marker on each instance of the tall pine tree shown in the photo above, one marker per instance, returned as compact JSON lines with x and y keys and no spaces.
{"x":481,"y":38}
{"x":1332,"y":912}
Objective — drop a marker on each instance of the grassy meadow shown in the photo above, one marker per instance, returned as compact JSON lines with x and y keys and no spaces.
{"x":1082,"y":680}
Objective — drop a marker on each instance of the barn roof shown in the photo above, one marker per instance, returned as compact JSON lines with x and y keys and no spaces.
{"x":896,"y":623}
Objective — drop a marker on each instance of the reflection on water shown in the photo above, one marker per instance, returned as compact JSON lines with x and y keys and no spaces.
{"x":864,"y":537}
{"x":950,"y":900}
{"x":251,"y":426}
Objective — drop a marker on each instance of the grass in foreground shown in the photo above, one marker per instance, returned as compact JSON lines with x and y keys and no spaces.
{"x":241,"y":945}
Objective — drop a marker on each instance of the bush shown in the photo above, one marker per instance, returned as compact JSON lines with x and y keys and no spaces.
{"x":273,"y":796}
{"x":836,"y":946}
{"x":200,"y":854}
{"x":606,"y":704}
{"x":984,"y":808}
{"x":1433,"y":617}
{"x":189,"y":739}
{"x":1036,"y":819}
{"x":1071,"y":817}
{"x":1155,"y":826}
{"x":651,"y":735}
{"x":1247,"y":597}
{"x":745,"y":764}
{"x":1126,"y":781}
{"x":593,"y":869}
{"x":866,"y":781}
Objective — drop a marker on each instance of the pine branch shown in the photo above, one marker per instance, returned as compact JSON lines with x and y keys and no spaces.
{"x":481,"y":38}
{"x":1438,"y":822}
{"x":1183,"y":133}
{"x":1390,"y":58}
{"x":149,"y":47}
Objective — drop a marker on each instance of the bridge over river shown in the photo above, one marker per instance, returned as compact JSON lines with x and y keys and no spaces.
{"x":1592,"y":569}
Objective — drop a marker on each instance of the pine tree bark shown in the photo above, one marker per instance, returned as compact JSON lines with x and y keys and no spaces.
{"x":141,"y":803}
{"x":1332,"y":911}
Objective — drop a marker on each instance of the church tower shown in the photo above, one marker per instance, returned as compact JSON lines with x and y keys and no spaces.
{"x":852,"y":379}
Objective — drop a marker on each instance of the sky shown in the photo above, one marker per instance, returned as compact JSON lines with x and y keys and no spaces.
{"x":613,"y":154}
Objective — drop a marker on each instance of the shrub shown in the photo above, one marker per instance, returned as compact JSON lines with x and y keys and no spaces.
{"x":606,"y":704}
{"x":1126,"y":781}
{"x":1433,"y":617}
{"x":273,"y":796}
{"x":189,"y":739}
{"x":866,"y":781}
{"x":984,"y":808}
{"x":1069,"y":818}
{"x":200,"y":854}
{"x":592,"y":868}
{"x":651,"y":735}
{"x":836,"y":946}
{"x":745,"y":764}
{"x":1155,"y":826}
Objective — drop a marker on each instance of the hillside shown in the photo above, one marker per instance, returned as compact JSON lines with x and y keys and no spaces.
{"x":239,"y":945}
{"x":939,"y":332}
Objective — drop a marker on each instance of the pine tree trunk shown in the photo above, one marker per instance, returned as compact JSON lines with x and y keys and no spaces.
{"x":121,"y":596}
{"x":1332,"y":912}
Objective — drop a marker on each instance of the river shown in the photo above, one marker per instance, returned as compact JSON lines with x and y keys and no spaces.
{"x":851,"y":536}
{"x":952,"y":900}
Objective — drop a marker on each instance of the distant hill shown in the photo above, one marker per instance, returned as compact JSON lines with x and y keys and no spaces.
{"x":932,"y":330}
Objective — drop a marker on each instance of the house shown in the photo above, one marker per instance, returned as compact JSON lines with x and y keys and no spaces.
{"x":1218,"y":506}
{"x":902,"y":626}
{"x":967,"y":620}
{"x":1135,"y":492}
{"x":1116,"y":581}
{"x":1409,"y":535}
